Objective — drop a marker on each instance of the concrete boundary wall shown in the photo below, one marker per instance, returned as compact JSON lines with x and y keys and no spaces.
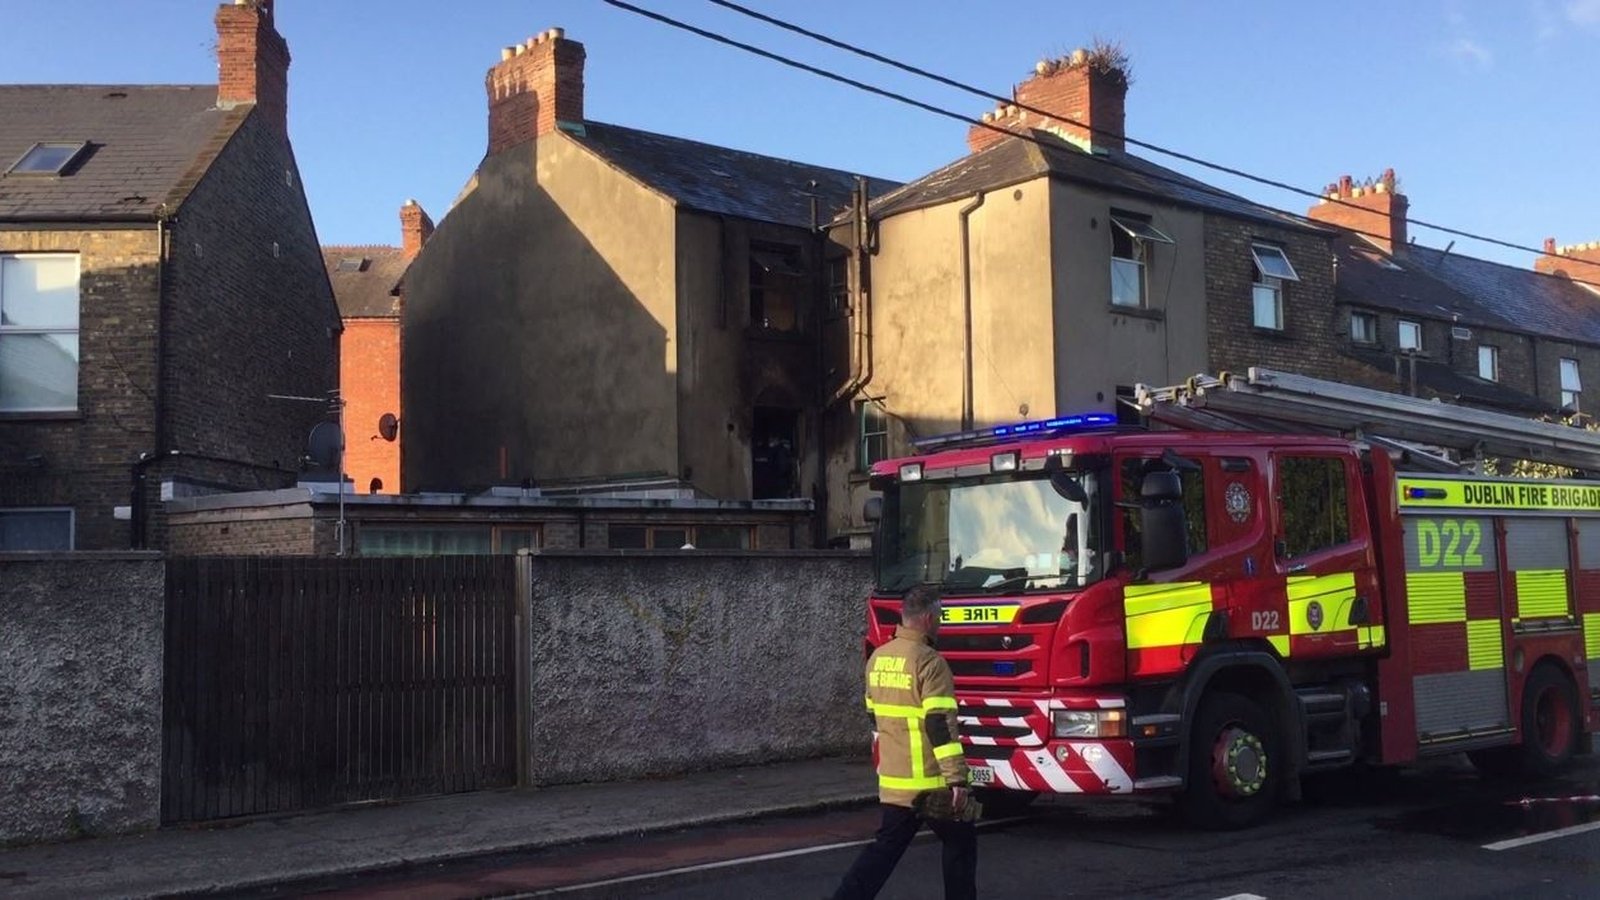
{"x":80,"y":694}
{"x":658,"y":664}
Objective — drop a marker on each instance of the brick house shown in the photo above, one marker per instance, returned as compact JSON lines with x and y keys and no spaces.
{"x":604,"y":302}
{"x":1045,"y":276}
{"x":159,"y":279}
{"x":367,"y":284}
{"x":1437,"y":323}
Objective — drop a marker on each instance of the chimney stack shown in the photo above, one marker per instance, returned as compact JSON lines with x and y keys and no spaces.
{"x":1376,"y":209}
{"x":1579,"y":262}
{"x":1089,"y":87}
{"x":415,"y":228}
{"x":536,"y":86}
{"x":252,"y":60}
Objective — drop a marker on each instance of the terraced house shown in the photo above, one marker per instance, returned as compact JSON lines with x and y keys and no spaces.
{"x":160,"y":280}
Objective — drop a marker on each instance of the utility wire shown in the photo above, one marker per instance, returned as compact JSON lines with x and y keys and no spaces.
{"x":941,"y":79}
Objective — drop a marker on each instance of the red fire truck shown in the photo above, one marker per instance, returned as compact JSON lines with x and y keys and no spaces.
{"x":1277,"y":575}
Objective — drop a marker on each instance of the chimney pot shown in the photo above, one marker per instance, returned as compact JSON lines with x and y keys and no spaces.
{"x":557,"y":33}
{"x":506,"y":53}
{"x":1372,"y":207}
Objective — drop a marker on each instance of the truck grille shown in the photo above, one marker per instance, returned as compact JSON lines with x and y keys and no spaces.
{"x":1002,"y":723}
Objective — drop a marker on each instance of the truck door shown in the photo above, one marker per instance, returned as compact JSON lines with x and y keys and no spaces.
{"x":1323,"y":551}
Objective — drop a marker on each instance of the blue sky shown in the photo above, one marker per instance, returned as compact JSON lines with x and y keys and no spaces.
{"x":1485,"y":109}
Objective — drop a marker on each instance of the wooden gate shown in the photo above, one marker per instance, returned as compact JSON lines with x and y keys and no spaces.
{"x":300,"y":682}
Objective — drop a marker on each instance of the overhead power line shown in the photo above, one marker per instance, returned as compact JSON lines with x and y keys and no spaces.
{"x":969,"y":120}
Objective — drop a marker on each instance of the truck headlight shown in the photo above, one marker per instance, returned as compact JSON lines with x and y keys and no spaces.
{"x":1088,"y":723}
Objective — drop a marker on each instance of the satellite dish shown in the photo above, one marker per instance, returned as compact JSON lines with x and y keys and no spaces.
{"x":388,"y":427}
{"x":325,"y":444}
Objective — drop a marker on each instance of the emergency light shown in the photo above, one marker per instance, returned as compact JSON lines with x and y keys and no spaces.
{"x":1060,"y":423}
{"x":1078,"y":422}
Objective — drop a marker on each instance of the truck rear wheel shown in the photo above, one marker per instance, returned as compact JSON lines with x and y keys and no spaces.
{"x":1550,"y":729}
{"x":1236,"y":764}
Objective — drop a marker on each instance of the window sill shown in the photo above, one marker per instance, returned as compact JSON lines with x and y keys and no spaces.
{"x":71,"y":416}
{"x":1137,"y":312}
{"x":1271,"y":334}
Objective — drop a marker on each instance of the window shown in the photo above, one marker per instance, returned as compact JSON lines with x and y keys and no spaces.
{"x":1194,"y":509}
{"x":47,"y":159}
{"x":23,"y":530}
{"x":1131,"y":240}
{"x":1488,"y":363}
{"x":1313,"y":504}
{"x":839,"y":286}
{"x":39,"y":333}
{"x":1271,"y":270}
{"x":874,"y":431}
{"x":674,"y":537}
{"x":1363,"y":328}
{"x":405,"y":540}
{"x":1410,"y":335}
{"x":352,"y":264}
{"x":777,"y":282}
{"x":1571,"y":384}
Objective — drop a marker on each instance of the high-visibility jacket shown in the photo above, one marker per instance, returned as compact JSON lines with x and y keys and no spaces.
{"x":912,"y":697}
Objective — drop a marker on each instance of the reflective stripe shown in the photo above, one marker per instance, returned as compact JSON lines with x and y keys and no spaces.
{"x":1335,"y":594}
{"x":1591,"y":639}
{"x":1485,"y":645}
{"x":1371,"y":637}
{"x":914,"y":738}
{"x":1166,"y":615}
{"x":1541,"y":594}
{"x":1279,"y":642}
{"x":1141,"y":599}
{"x":924,"y":783}
{"x":947,"y":751}
{"x":939,"y":703}
{"x":893,"y":711}
{"x":1434,"y":597}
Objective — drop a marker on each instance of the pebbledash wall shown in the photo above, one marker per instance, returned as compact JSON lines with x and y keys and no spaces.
{"x":641,"y":664}
{"x":658,"y":664}
{"x":80,"y":694}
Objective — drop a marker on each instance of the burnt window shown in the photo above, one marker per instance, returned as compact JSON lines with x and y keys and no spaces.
{"x":777,"y":281}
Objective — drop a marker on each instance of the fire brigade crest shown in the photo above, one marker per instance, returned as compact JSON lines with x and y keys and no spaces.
{"x":1237,"y":499}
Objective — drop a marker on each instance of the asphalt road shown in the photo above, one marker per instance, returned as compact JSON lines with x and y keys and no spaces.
{"x":1435,"y":832}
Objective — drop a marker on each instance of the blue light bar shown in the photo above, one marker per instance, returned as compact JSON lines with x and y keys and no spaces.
{"x":1060,"y":423}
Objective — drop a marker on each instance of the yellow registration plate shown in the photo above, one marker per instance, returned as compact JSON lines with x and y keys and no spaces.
{"x":978,"y":615}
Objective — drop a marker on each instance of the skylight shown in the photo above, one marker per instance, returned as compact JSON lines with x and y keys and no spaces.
{"x":352,"y":264}
{"x":47,"y":159}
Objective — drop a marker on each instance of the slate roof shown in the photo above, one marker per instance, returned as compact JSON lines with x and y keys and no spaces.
{"x":724,"y":181}
{"x":1014,"y":160}
{"x":1434,"y":284}
{"x":149,"y":145}
{"x":1435,"y":376}
{"x":366,"y":287}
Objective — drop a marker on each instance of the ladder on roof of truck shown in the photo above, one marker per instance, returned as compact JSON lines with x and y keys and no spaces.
{"x":1273,"y":401}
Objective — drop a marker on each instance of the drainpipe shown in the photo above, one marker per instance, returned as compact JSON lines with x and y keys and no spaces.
{"x":966,"y":309}
{"x":138,"y":508}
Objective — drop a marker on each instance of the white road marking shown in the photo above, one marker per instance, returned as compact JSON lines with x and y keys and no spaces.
{"x":1569,"y":831}
{"x":1242,"y":897}
{"x":729,"y":863}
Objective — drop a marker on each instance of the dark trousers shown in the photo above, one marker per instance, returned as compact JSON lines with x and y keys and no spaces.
{"x":900,"y":824}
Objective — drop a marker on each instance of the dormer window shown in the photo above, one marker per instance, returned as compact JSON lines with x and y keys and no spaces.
{"x":1132,"y":239}
{"x":47,"y":159}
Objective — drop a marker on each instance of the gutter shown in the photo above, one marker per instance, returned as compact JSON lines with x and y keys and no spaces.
{"x":966,"y":309}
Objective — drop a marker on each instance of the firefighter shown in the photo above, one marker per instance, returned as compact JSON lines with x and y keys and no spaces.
{"x":922,"y":773}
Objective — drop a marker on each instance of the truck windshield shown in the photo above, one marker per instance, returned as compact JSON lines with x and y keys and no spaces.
{"x":990,"y":534}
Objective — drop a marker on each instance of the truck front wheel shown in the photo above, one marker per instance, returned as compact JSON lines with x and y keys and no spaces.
{"x":1236,"y":764}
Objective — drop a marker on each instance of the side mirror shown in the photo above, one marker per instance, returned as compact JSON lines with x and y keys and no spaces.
{"x":872,"y":510}
{"x":1068,"y":487}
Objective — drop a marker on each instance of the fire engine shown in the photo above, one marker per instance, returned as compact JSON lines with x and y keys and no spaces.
{"x":1272,"y":575}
